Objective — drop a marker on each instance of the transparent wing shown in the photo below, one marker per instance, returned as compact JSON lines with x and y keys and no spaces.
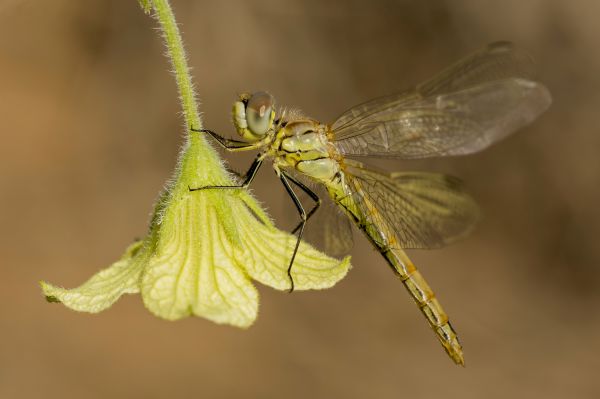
{"x":423,"y":210}
{"x":464,"y":109}
{"x":497,"y":61}
{"x":329,"y":229}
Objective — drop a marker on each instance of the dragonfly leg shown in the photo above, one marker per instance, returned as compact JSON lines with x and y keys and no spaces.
{"x":249,"y":176}
{"x":228,"y":144}
{"x":235,"y":172}
{"x":284,"y":179}
{"x":311,"y":194}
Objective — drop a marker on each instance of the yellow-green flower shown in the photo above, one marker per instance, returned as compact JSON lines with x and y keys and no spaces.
{"x":203,"y":247}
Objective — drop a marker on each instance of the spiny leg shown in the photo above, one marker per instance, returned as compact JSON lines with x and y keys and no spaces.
{"x":234,"y":172}
{"x":250,"y":174}
{"x":228,"y":144}
{"x":311,"y":194}
{"x":284,"y":179}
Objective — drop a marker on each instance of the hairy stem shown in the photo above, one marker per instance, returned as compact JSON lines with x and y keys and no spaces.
{"x":200,"y":163}
{"x":170,"y":31}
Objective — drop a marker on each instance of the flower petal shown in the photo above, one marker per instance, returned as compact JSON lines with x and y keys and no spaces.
{"x":193,"y":270}
{"x":266,"y":254}
{"x":106,"y":286}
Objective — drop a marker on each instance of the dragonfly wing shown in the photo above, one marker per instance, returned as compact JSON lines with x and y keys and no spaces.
{"x":448,"y":124}
{"x":332,"y":230}
{"x":497,"y":61}
{"x":464,"y":109}
{"x":422,"y":210}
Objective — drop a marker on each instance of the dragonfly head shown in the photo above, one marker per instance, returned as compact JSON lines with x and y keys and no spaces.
{"x":253,"y":115}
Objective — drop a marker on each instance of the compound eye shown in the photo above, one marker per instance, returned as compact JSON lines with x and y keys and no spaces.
{"x":258,"y":112}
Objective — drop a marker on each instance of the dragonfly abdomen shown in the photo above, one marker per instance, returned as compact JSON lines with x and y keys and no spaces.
{"x":425,"y":298}
{"x":382,"y":236}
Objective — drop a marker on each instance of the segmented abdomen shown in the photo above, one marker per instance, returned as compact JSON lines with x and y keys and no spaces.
{"x":426,"y":300}
{"x":367,"y":218}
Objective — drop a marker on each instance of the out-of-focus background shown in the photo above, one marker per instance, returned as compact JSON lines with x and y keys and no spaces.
{"x":90,"y":130}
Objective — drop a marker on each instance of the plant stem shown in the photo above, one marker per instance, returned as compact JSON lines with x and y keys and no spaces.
{"x":199,"y":164}
{"x":170,"y":30}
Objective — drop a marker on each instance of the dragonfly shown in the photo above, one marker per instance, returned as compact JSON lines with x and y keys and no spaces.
{"x":464,"y":109}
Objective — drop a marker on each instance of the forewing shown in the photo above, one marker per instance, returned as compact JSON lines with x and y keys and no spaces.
{"x":497,"y":61}
{"x":464,"y":109}
{"x":424,"y":210}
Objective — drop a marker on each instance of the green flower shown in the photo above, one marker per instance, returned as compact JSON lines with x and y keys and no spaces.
{"x":203,"y":247}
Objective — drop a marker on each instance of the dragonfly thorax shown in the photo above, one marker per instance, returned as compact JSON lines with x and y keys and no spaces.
{"x":303,"y":145}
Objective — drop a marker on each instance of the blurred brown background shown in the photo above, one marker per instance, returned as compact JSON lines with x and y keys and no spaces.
{"x":90,"y":131}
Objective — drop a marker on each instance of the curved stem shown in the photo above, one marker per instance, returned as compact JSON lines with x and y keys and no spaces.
{"x":199,"y":162}
{"x":170,"y":31}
